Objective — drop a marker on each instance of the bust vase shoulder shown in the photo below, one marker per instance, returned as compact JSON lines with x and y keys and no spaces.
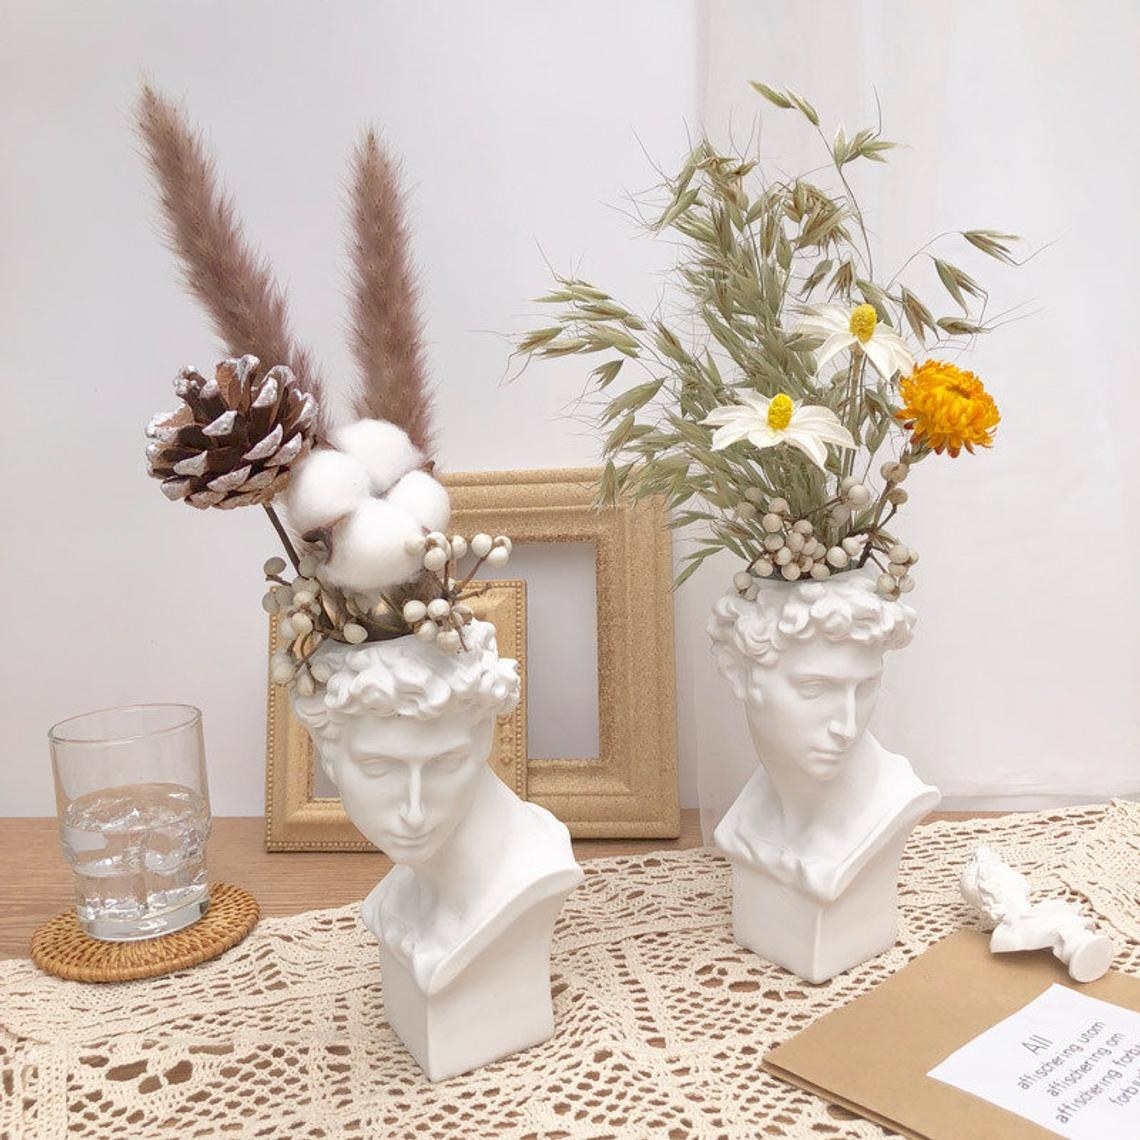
{"x":466,"y":916}
{"x":816,"y":835}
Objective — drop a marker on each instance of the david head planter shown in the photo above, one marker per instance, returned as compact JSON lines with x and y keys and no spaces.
{"x":397,"y":683}
{"x":465,"y":917}
{"x":816,"y":835}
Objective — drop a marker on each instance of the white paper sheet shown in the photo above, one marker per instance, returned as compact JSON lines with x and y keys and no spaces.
{"x":1068,"y":1062}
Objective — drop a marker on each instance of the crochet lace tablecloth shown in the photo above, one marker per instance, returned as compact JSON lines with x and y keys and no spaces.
{"x":661,"y":1020}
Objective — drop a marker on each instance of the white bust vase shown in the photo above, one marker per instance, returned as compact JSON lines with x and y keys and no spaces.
{"x":465,"y":917}
{"x":816,"y":835}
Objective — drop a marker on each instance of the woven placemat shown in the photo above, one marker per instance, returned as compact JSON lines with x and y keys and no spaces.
{"x":61,"y":948}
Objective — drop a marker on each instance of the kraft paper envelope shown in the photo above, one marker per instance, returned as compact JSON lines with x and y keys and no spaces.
{"x":872,"y":1056}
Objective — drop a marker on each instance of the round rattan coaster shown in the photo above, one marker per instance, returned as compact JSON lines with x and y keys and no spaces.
{"x":59,"y":947}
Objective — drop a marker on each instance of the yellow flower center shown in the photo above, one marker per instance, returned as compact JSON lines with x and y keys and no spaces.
{"x":780,"y":412}
{"x":863,"y":322}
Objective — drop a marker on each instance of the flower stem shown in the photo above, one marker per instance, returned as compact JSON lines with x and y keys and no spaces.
{"x":872,"y":532}
{"x":283,"y":535}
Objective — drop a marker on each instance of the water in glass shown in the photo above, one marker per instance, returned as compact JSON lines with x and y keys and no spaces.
{"x":138,"y":852}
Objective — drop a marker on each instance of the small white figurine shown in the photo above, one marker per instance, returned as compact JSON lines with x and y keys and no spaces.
{"x":816,"y":835}
{"x":1001,"y":896}
{"x":465,"y":917}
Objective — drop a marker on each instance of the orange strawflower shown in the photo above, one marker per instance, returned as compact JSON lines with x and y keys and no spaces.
{"x":947,"y":408}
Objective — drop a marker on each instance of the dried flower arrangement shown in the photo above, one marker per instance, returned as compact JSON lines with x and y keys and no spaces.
{"x":766,"y":423}
{"x":363,"y":515}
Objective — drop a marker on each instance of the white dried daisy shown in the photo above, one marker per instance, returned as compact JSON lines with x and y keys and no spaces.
{"x":768,"y":423}
{"x":842,"y":327}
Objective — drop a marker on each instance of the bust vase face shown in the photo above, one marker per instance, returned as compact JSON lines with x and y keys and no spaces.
{"x":405,"y":782}
{"x":808,"y":711}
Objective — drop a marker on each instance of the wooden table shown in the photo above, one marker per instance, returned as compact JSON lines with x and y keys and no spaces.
{"x":35,"y":882}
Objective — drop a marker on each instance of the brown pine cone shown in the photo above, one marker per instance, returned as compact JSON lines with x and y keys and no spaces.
{"x":234,"y":439}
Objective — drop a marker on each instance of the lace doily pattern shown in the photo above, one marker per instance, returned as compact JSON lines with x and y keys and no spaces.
{"x":662,"y":1021}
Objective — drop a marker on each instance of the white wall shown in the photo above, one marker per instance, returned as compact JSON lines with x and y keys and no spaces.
{"x":523,"y":125}
{"x":520,"y":125}
{"x":1021,"y":686}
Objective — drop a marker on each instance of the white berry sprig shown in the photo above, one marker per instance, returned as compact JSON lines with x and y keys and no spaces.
{"x":793,"y":549}
{"x":443,"y":618}
{"x":432,"y":605}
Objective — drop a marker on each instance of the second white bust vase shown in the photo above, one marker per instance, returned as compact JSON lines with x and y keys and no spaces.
{"x":816,"y":835}
{"x":466,"y":916}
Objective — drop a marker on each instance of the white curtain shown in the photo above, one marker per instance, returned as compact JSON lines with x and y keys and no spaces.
{"x":1021,"y":687}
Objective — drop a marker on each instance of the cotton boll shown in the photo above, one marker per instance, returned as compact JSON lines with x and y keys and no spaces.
{"x":424,"y":498}
{"x":368,"y":550}
{"x":327,"y":486}
{"x":381,"y":448}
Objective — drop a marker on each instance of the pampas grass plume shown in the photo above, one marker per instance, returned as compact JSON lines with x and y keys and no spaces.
{"x":221,"y":267}
{"x":386,"y":337}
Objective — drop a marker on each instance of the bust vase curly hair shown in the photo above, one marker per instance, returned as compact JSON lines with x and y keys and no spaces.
{"x":816,"y":834}
{"x":465,"y":917}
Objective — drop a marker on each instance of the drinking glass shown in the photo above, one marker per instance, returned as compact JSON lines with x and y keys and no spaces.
{"x":134,"y":817}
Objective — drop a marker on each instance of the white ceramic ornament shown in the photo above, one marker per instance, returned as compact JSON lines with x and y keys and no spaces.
{"x":1001,"y":896}
{"x":816,"y":835}
{"x":465,"y":917}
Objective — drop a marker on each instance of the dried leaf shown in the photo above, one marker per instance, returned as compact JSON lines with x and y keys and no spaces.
{"x":566,"y":347}
{"x":994,"y":243}
{"x":946,"y":276}
{"x":538,"y":338}
{"x":918,"y":316}
{"x":875,"y":149}
{"x":844,"y":279}
{"x":809,"y":112}
{"x":620,"y":435}
{"x":876,"y":298}
{"x":607,"y":485}
{"x":683,"y":203}
{"x":956,"y":327}
{"x":629,"y":401}
{"x":771,"y":95}
{"x":605,"y":374}
{"x":840,"y":148}
{"x":607,"y":336}
{"x":821,"y":270}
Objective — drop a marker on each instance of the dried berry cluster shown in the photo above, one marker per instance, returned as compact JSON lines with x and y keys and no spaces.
{"x":793,"y":549}
{"x":432,"y":605}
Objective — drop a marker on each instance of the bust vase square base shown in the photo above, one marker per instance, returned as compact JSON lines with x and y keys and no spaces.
{"x":817,"y":939}
{"x":498,"y":1004}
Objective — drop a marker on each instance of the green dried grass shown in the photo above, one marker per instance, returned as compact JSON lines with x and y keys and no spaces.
{"x":755,"y":253}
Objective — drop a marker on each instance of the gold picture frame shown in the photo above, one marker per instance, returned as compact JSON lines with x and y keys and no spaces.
{"x":629,"y":790}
